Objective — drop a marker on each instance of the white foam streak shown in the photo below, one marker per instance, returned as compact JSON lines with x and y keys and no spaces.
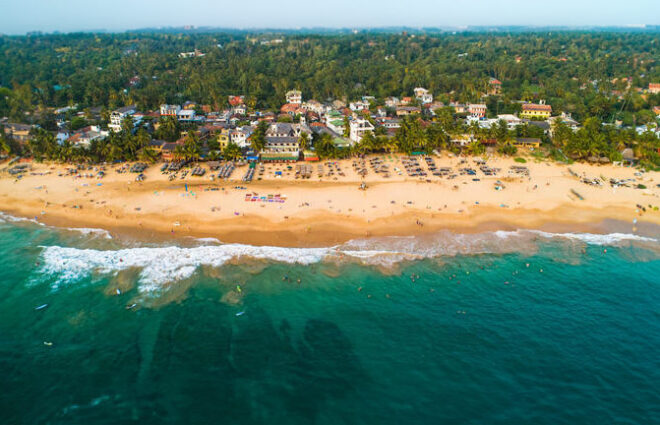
{"x":596,"y":239}
{"x":6,"y":218}
{"x":162,"y":265}
{"x":159,"y":266}
{"x":91,"y":232}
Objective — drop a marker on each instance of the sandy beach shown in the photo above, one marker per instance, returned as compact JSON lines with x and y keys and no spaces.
{"x":328,"y":209}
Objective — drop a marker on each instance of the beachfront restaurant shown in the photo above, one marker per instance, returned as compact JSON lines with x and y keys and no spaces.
{"x":527,"y":142}
{"x":281,"y":149}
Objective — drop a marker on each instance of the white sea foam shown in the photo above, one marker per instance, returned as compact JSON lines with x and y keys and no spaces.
{"x":161,"y":265}
{"x":91,"y":232}
{"x":595,"y":238}
{"x":207,"y":240}
{"x":7,"y":218}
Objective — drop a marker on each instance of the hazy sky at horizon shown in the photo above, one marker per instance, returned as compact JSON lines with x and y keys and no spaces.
{"x":19,"y":17}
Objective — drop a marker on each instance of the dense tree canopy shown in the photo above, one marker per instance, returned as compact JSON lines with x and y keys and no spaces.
{"x":574,"y":71}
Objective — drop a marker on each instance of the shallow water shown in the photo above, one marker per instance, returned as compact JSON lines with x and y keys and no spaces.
{"x":498,"y":328}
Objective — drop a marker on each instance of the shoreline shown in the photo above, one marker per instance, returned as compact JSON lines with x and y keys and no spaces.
{"x":327,"y":231}
{"x":325,"y":213}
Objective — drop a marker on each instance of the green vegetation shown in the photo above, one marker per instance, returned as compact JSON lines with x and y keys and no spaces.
{"x":96,"y":69}
{"x":582,"y":73}
{"x":520,"y":160}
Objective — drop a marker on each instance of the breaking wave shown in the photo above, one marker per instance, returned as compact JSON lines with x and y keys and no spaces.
{"x":7,"y":218}
{"x":91,"y":232}
{"x":159,"y":266}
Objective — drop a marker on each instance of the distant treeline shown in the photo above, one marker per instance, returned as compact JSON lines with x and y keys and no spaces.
{"x":573,"y":71}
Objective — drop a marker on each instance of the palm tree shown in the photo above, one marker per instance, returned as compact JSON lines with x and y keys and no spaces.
{"x":303,"y":141}
{"x":179,"y":152}
{"x":232,"y":151}
{"x":148,"y":155}
{"x":4,"y":145}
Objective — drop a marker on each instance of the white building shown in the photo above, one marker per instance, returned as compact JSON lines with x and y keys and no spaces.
{"x":169,"y":110}
{"x":359,"y":106}
{"x":477,"y":109}
{"x":391,"y":102}
{"x":315,"y":106}
{"x":359,"y":127}
{"x":511,"y":120}
{"x":423,"y":95}
{"x":294,"y":96}
{"x":85,"y":136}
{"x":389,"y":123}
{"x":194,"y":54}
{"x":118,"y":115}
{"x":240,"y":136}
{"x":239,"y":109}
{"x":186,"y":115}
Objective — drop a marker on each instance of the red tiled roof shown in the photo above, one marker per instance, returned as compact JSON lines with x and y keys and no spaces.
{"x":290,"y":107}
{"x":235,"y":100}
{"x":536,"y":107}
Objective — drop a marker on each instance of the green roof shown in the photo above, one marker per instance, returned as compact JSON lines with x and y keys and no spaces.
{"x":341,"y":143}
{"x":337,"y":123}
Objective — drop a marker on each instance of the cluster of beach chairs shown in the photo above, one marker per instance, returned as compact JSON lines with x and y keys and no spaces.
{"x":489,"y":171}
{"x":303,"y":171}
{"x":467,"y":171}
{"x":198,"y":171}
{"x":254,"y":197}
{"x":249,"y":175}
{"x":226,"y":170}
{"x":379,"y":166}
{"x":360,"y":167}
{"x":519,"y":170}
{"x":595,"y":181}
{"x":138,"y":167}
{"x":174,"y":166}
{"x":412,"y":166}
{"x":121,"y":170}
{"x":79,"y":172}
{"x":333,"y":167}
{"x":621,"y":182}
{"x":18,"y":169}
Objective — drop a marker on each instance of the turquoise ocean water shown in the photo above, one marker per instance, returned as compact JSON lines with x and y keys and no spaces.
{"x":496,"y":328}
